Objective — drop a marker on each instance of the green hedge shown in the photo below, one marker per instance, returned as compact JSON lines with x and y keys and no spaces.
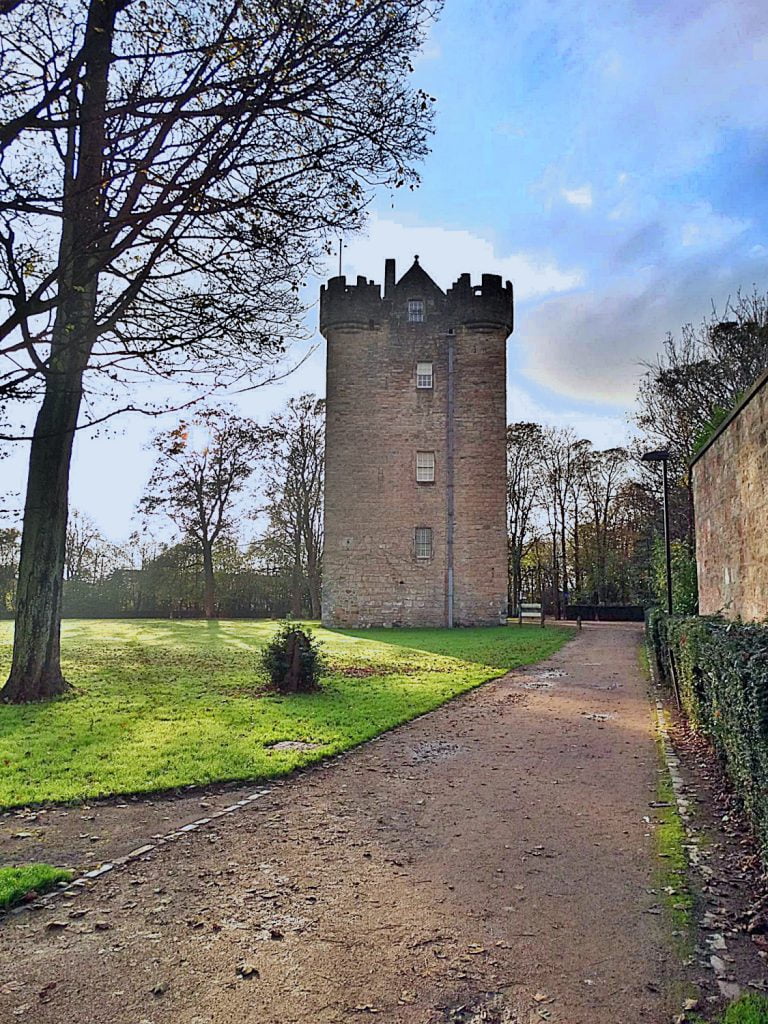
{"x":721,"y":673}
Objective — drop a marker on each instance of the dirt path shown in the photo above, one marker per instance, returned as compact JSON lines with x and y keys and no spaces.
{"x":488,"y":862}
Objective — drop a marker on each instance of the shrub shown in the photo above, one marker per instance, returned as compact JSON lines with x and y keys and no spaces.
{"x":720,"y":670}
{"x":685,"y":584}
{"x":293,"y":660}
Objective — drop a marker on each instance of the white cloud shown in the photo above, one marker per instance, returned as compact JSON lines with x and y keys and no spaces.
{"x":591,"y":344}
{"x":705,"y":229}
{"x":581,"y":196}
{"x":447,"y":252}
{"x":603,"y":430}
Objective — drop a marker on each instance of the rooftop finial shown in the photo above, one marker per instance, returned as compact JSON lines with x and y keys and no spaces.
{"x":415,"y":259}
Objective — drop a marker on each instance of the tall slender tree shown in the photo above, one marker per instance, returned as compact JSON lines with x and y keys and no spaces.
{"x":294,"y":492}
{"x":524,"y":492}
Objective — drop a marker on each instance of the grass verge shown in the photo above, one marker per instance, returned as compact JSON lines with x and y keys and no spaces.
{"x":672,"y":874}
{"x":160,"y":704}
{"x":751,"y":1009}
{"x":18,"y":882}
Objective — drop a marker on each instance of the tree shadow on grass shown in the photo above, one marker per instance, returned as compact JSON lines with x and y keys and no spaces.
{"x":502,"y":647}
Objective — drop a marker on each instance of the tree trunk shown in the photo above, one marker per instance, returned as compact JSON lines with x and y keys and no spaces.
{"x":297,"y":590}
{"x":555,"y":575}
{"x":314,"y":593}
{"x":313,"y":579}
{"x":517,"y":557}
{"x":576,"y":551}
{"x":209,"y":583}
{"x":36,"y":665}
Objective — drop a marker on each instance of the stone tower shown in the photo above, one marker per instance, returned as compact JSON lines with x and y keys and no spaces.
{"x":415,"y":520}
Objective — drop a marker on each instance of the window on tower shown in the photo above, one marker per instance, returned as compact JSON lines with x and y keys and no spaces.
{"x":425,"y":467}
{"x":424,"y":377}
{"x":415,"y":311}
{"x":423,"y":541}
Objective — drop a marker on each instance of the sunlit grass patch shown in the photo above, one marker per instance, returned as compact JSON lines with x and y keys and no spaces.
{"x":18,"y":882}
{"x":750,"y":1009}
{"x":159,"y":704}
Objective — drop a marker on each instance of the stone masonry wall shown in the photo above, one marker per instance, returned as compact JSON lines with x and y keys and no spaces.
{"x":377,"y":419}
{"x":730,"y":485}
{"x":480,"y":548}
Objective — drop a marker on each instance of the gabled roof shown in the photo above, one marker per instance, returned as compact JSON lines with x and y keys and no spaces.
{"x":418,"y":281}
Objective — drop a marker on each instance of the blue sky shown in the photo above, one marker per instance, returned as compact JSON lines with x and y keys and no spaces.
{"x":609,"y":158}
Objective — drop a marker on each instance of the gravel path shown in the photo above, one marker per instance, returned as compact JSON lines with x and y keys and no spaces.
{"x":488,"y":862}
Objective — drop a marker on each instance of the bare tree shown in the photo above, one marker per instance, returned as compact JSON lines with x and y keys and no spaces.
{"x":169,"y":171}
{"x":694,"y":382}
{"x":562,"y":453}
{"x":604,"y":472}
{"x":201,"y":471}
{"x":294,"y":493}
{"x":81,"y":550}
{"x":525,"y":442}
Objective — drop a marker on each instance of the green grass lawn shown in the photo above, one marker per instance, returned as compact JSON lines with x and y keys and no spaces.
{"x":750,"y":1009}
{"x":159,"y":704}
{"x":15,"y":883}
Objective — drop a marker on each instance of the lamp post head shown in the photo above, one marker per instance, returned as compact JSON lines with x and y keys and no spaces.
{"x":660,"y":455}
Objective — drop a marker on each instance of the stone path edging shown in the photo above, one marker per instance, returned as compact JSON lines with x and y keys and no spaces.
{"x":82,"y":880}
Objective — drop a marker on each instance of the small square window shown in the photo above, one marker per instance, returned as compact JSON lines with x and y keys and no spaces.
{"x":415,"y":311}
{"x":423,"y":541}
{"x":425,"y":467}
{"x":424,"y":377}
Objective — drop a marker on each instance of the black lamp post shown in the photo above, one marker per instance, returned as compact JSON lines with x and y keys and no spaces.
{"x":662,"y":456}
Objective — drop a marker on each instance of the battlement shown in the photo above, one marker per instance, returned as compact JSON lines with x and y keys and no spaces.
{"x":343,"y":304}
{"x":489,"y":304}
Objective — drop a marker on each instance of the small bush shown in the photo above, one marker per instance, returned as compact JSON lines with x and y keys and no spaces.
{"x":721,"y":672}
{"x":293,"y":660}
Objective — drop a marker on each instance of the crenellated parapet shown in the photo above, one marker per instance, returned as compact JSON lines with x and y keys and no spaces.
{"x":361,"y":305}
{"x":349,"y":305}
{"x":489,"y":304}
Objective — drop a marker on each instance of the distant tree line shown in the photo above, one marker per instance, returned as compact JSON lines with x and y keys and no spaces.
{"x":215,"y":474}
{"x":586,"y":526}
{"x":580,"y":524}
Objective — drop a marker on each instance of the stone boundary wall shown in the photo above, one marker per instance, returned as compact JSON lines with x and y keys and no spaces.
{"x":730,"y":493}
